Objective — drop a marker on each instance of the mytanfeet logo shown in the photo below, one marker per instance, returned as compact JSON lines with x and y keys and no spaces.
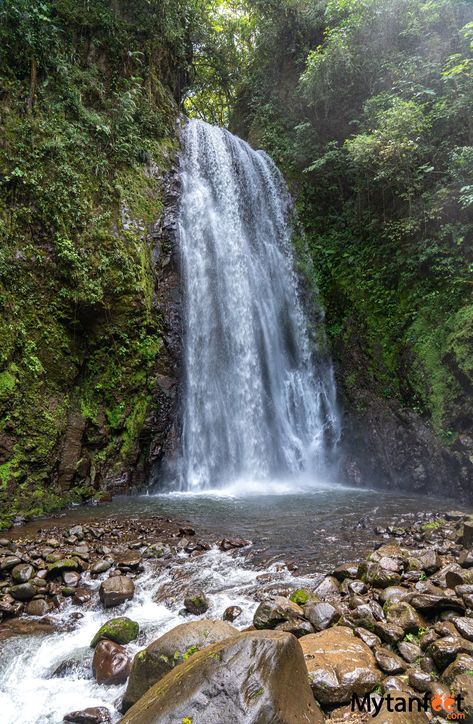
{"x":448,"y":706}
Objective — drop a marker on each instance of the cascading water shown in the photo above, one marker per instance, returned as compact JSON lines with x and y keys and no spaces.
{"x":258,"y":398}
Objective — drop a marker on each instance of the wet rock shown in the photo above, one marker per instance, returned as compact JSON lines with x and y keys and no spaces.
{"x":71,"y":578}
{"x":458,"y":576}
{"x":81,"y":596}
{"x":22,"y":573}
{"x":170,"y":650}
{"x":297,"y":627}
{"x":274,"y":611}
{"x":463,"y":685}
{"x":436,"y":600}
{"x":369,"y":638}
{"x":374,"y":574}
{"x":256,"y":677}
{"x":346,"y":570}
{"x":395,"y":683}
{"x":467,"y":537}
{"x":227,"y":544}
{"x":196,"y":603}
{"x":464,"y":627}
{"x":390,"y":633}
{"x":409,"y":651}
{"x":100,"y":567}
{"x":394,"y":594}
{"x":93,"y":715}
{"x":462,"y":664}
{"x":389,"y":662}
{"x":321,"y":615}
{"x":358,"y":588}
{"x":404,"y":615}
{"x":38,"y":607}
{"x":111,"y":663}
{"x":116,"y":590}
{"x":466,"y":559}
{"x":232,"y":613}
{"x":23,"y":591}
{"x":130,"y":559}
{"x":9,"y":562}
{"x":63,"y":564}
{"x":327,"y":588}
{"x":420,"y":680}
{"x":445,"y":650}
{"x":122,"y":630}
{"x":339,"y":665}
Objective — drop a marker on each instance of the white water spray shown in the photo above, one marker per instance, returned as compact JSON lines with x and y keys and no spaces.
{"x":258,"y":400}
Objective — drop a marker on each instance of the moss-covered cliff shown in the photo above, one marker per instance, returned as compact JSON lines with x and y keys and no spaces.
{"x":89,"y":98}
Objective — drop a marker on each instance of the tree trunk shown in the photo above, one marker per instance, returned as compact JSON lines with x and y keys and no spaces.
{"x":33,"y":84}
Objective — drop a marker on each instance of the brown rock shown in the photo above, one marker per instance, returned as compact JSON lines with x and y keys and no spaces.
{"x":116,"y":590}
{"x":339,"y":665}
{"x":37,"y":607}
{"x":93,"y":715}
{"x":111,"y":664}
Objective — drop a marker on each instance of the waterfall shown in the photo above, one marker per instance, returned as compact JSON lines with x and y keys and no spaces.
{"x":258,"y":397}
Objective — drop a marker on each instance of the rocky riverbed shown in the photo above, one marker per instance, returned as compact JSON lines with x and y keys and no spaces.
{"x":146,"y":620}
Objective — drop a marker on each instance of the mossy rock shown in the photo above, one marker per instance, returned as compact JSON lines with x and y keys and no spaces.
{"x":300,"y":596}
{"x":122,"y":630}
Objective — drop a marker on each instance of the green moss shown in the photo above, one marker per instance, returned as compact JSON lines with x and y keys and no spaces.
{"x":300,"y":596}
{"x":433,"y":525}
{"x":189,"y":652}
{"x":122,"y":630}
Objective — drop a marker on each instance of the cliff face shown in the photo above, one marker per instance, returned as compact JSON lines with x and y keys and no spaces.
{"x":88,"y":286}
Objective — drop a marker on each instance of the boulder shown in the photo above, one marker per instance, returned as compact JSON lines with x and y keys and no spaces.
{"x":404,"y":615}
{"x":328,"y":588}
{"x":22,"y":573}
{"x":196,"y":603}
{"x":465,"y":627}
{"x":23,"y":591}
{"x":409,"y":651}
{"x":274,"y":611}
{"x":111,"y":663}
{"x":339,"y":665}
{"x":392,"y":713}
{"x":100,"y":567}
{"x":255,"y":677}
{"x":297,"y":626}
{"x":389,"y":662}
{"x":231,"y":613}
{"x":170,"y":650}
{"x":445,"y":650}
{"x":378,"y":574}
{"x":37,"y":607}
{"x":116,"y":590}
{"x":321,"y":615}
{"x":462,"y":665}
{"x":122,"y":630}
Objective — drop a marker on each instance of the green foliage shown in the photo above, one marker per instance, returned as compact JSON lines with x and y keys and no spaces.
{"x":88,"y":102}
{"x":369,"y":113}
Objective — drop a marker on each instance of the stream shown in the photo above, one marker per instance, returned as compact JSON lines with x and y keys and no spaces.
{"x":295,"y":538}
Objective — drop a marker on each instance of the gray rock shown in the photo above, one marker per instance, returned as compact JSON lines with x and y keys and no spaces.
{"x":170,"y":650}
{"x":23,"y":591}
{"x":321,"y":615}
{"x":255,"y":677}
{"x":274,"y":611}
